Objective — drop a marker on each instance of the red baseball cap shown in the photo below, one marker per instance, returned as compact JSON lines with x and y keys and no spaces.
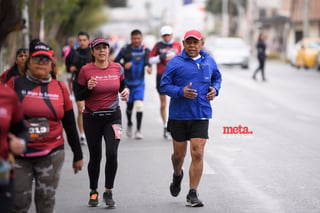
{"x":193,"y":34}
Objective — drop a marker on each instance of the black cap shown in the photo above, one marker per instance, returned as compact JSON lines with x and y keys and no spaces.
{"x":39,"y":48}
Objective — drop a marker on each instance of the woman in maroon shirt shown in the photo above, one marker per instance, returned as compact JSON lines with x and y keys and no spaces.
{"x":48,"y":110}
{"x":100,"y":83}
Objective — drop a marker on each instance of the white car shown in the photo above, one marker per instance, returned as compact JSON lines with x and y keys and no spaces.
{"x":229,"y":51}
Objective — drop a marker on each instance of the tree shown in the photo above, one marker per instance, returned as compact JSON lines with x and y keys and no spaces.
{"x":61,"y":19}
{"x":116,"y":3}
{"x":10,"y":18}
{"x":65,"y":18}
{"x":214,"y":6}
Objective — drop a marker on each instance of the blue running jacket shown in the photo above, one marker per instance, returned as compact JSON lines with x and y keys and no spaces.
{"x":179,"y":72}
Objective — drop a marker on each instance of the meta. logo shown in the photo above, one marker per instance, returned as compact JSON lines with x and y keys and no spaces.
{"x":234,"y":130}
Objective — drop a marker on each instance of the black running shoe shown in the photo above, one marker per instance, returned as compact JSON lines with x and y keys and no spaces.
{"x":175,"y":186}
{"x":94,"y":200}
{"x":107,"y":198}
{"x":193,"y":200}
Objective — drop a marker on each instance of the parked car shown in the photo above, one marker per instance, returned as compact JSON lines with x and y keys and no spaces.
{"x":229,"y":51}
{"x":305,"y":53}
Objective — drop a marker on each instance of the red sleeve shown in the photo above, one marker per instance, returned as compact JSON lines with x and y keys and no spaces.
{"x":10,"y":83}
{"x":66,"y":97}
{"x":3,"y":77}
{"x":16,"y":105}
{"x":179,"y":47}
{"x":82,"y":78}
{"x":17,"y":114}
{"x":154,"y":50}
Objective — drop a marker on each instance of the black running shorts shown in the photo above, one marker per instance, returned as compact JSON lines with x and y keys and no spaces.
{"x":158,"y":80}
{"x":184,"y":130}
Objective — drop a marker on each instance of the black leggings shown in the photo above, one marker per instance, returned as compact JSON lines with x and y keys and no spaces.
{"x":129,"y":116}
{"x":95,"y":128}
{"x":6,"y":197}
{"x":261,"y":68}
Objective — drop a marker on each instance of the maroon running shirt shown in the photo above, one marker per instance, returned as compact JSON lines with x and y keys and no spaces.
{"x":105,"y":94}
{"x":171,"y":50}
{"x":36,"y":100}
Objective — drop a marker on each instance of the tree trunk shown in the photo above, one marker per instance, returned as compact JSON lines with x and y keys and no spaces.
{"x":10,"y":18}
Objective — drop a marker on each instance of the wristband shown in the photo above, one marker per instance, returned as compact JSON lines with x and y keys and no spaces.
{"x":23,"y":142}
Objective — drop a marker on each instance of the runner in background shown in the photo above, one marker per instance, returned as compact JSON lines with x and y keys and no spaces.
{"x":161,"y":54}
{"x":19,"y":68}
{"x":134,"y":58}
{"x":74,"y":61}
{"x":66,"y":50}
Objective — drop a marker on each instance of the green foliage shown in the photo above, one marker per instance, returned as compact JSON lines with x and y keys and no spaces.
{"x":215,"y":6}
{"x":58,"y":10}
{"x":63,"y":18}
{"x":90,"y":16}
{"x":116,"y":3}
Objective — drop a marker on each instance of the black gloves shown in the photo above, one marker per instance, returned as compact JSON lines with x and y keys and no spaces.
{"x":163,"y":56}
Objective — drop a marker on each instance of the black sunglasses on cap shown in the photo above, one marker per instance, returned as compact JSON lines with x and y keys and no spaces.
{"x":41,"y":58}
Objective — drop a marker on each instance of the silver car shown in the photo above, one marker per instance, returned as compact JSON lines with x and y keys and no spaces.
{"x":229,"y":51}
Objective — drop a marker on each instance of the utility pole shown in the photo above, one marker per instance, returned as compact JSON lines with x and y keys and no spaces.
{"x":306,"y":18}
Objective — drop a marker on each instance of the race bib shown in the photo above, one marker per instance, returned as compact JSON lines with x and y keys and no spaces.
{"x":170,"y":53}
{"x":38,"y":128}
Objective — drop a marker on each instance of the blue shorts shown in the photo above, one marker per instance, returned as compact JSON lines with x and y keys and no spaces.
{"x":185,"y":130}
{"x":136,"y":93}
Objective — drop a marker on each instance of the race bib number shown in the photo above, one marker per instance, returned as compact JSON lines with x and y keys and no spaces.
{"x":171,"y":53}
{"x":38,"y":128}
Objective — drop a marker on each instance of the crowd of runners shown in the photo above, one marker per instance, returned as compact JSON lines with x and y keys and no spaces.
{"x":37,"y":108}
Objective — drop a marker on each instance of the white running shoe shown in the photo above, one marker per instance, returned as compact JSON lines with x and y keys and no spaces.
{"x":129,"y":131}
{"x":138,"y":135}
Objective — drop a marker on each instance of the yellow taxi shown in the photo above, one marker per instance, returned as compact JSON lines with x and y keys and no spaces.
{"x":306,"y":53}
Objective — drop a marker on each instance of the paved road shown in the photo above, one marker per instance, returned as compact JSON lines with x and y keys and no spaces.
{"x":274,"y":170}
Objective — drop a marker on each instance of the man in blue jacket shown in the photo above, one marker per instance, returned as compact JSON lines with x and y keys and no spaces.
{"x":192,"y":79}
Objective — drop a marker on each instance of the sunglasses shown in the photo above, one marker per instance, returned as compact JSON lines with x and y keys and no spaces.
{"x":40,"y":58}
